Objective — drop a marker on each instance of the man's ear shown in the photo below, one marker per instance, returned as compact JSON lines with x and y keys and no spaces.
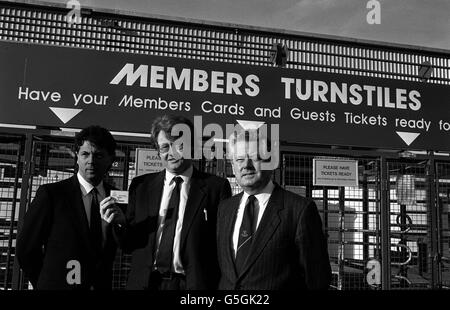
{"x":113,"y":159}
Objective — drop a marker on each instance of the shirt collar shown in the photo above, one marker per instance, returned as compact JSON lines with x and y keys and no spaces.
{"x":186,"y":175}
{"x":86,"y":187}
{"x":264,"y":195}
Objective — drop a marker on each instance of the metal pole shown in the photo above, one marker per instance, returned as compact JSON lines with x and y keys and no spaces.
{"x":365,"y":207}
{"x":434,"y":231}
{"x":341,"y":237}
{"x":126,"y":167}
{"x":27,"y":164}
{"x":403,"y":252}
{"x":12,"y":219}
{"x":325,"y":212}
{"x":385,"y":227}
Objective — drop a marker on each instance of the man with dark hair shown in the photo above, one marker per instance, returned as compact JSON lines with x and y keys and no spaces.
{"x":268,"y":238}
{"x":66,"y":241}
{"x":171,"y":217}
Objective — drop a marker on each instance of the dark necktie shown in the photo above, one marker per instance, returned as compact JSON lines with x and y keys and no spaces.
{"x":96,"y":222}
{"x":246,"y":234}
{"x":164,"y":256}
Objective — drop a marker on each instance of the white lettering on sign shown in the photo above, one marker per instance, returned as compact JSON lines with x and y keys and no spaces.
{"x":268,"y":112}
{"x":38,"y":95}
{"x":413,"y":124}
{"x":327,"y":116}
{"x":88,"y":99}
{"x":159,"y":104}
{"x":188,"y":79}
{"x":364,"y":119}
{"x":443,"y":125}
{"x":331,"y":92}
{"x":233,"y":109}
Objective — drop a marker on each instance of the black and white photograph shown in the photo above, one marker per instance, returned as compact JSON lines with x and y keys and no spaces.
{"x":225,"y":152}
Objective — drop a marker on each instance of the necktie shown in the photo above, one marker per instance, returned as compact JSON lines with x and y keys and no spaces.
{"x":246,"y":234}
{"x":164,"y":256}
{"x":96,"y":222}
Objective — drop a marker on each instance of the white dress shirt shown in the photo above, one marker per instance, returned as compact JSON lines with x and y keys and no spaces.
{"x":169,"y":185}
{"x":86,"y":193}
{"x":261,"y":203}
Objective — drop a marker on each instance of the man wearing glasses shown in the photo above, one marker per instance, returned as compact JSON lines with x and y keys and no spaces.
{"x":170,"y":224}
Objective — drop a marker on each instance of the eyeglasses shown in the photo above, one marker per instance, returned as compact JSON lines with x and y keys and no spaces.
{"x":164,"y":148}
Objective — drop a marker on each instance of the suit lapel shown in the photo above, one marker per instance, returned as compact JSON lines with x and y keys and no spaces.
{"x":230,"y":220}
{"x":269,"y":223}
{"x":152,"y":195}
{"x":76,"y":207}
{"x":150,"y":199}
{"x":194,"y":201}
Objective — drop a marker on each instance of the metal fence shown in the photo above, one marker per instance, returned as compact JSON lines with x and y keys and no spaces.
{"x":417,"y":209}
{"x":410,"y":212}
{"x":443,"y":210}
{"x":10,"y":166}
{"x":350,"y":216}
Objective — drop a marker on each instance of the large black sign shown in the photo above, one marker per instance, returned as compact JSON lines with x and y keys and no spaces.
{"x":66,"y":87}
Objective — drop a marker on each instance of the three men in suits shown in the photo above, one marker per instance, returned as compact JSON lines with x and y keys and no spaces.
{"x":65,"y":241}
{"x":171,"y":217}
{"x":268,"y":238}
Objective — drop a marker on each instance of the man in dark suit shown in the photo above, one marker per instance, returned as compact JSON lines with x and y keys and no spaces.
{"x":171,"y":217}
{"x":66,"y":241}
{"x":268,"y":238}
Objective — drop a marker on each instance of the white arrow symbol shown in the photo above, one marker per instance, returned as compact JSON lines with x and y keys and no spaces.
{"x":65,"y":114}
{"x":408,"y":137}
{"x":250,"y":125}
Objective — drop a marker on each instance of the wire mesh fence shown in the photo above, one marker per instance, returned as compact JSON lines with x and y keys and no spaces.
{"x":417,"y":194}
{"x":10,"y":159}
{"x":350,"y":216}
{"x":410,"y":224}
{"x":443,"y":200}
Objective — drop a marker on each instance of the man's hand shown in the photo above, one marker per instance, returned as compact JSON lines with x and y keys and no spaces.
{"x":110,"y":212}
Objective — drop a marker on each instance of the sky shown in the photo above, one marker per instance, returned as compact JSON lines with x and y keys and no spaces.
{"x":424,"y":23}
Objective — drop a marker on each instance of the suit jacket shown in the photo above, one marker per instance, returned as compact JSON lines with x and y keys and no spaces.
{"x":197,"y":245}
{"x":56,"y":231}
{"x":288,"y":252}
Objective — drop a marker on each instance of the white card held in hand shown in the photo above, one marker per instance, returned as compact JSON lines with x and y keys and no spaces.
{"x":120,"y":196}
